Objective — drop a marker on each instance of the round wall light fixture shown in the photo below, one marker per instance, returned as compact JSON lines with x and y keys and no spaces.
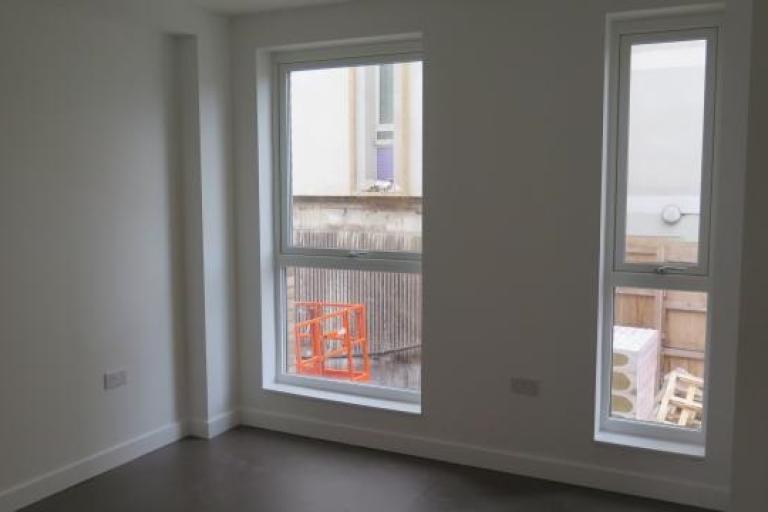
{"x":671,"y":214}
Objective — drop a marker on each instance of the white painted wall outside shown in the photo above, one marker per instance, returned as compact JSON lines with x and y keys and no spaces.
{"x":323,"y":148}
{"x":665,"y":150}
{"x":322,"y":131}
{"x":416,"y":121}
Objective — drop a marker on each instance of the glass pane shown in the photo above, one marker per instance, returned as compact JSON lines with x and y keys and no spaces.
{"x":385,"y":165}
{"x":664,"y":160}
{"x":356,"y":183}
{"x":386,"y":94}
{"x":659,"y":347}
{"x":355,"y":326}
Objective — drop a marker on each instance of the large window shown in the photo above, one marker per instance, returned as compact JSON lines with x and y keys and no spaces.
{"x":350,"y":213}
{"x":656,"y":278}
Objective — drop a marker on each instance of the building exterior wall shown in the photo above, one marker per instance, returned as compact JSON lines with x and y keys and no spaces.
{"x":327,"y":126}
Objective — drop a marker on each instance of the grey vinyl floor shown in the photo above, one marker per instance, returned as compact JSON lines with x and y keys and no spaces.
{"x":255,"y":470}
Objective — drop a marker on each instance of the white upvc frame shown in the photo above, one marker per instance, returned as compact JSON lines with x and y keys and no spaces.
{"x":342,"y":56}
{"x":288,"y":255}
{"x":622,"y":33}
{"x":625,"y":42}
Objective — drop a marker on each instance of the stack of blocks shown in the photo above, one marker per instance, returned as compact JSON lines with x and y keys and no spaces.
{"x":635,"y":372}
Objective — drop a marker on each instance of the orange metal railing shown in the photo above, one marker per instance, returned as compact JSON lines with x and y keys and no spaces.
{"x":334,"y":334}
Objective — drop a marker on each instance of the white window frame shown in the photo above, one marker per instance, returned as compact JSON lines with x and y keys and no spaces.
{"x":287,"y":255}
{"x":615,"y":272}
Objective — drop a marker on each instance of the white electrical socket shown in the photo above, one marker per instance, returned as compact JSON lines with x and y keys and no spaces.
{"x":115,"y":379}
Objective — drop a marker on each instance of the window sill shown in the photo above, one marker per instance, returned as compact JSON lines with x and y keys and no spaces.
{"x":697,"y":451}
{"x":345,"y":398}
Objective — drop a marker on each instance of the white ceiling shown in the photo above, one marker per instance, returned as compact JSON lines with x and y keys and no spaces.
{"x":238,"y":6}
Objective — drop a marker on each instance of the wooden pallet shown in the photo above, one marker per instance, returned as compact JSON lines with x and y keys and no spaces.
{"x":682,"y":398}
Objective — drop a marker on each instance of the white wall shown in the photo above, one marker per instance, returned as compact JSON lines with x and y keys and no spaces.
{"x":750,"y":475}
{"x":93,"y":277}
{"x":91,"y":262}
{"x":217,"y":227}
{"x":513,"y":96}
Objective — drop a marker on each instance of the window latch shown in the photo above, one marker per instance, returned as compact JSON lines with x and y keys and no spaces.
{"x":357,"y":254}
{"x":669,"y":269}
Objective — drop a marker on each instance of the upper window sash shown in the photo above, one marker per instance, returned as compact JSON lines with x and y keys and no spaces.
{"x":284,"y":63}
{"x":619,"y":124}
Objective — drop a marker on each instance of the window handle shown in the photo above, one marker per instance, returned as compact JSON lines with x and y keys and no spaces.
{"x":357,"y":254}
{"x":669,"y":269}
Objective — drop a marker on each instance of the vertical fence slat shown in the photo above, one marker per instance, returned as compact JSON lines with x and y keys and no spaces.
{"x":392,"y":299}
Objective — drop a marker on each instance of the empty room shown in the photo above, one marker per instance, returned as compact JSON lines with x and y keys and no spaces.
{"x":383,"y":255}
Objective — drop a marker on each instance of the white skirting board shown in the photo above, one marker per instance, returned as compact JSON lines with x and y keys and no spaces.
{"x":609,"y":479}
{"x":214,"y":426}
{"x":71,"y":474}
{"x":559,"y":470}
{"x":59,"y":479}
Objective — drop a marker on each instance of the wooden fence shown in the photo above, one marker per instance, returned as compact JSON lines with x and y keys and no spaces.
{"x":680,"y":317}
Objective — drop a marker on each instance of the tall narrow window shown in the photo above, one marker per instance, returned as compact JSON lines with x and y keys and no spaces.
{"x":656,"y":276}
{"x":350,"y":223}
